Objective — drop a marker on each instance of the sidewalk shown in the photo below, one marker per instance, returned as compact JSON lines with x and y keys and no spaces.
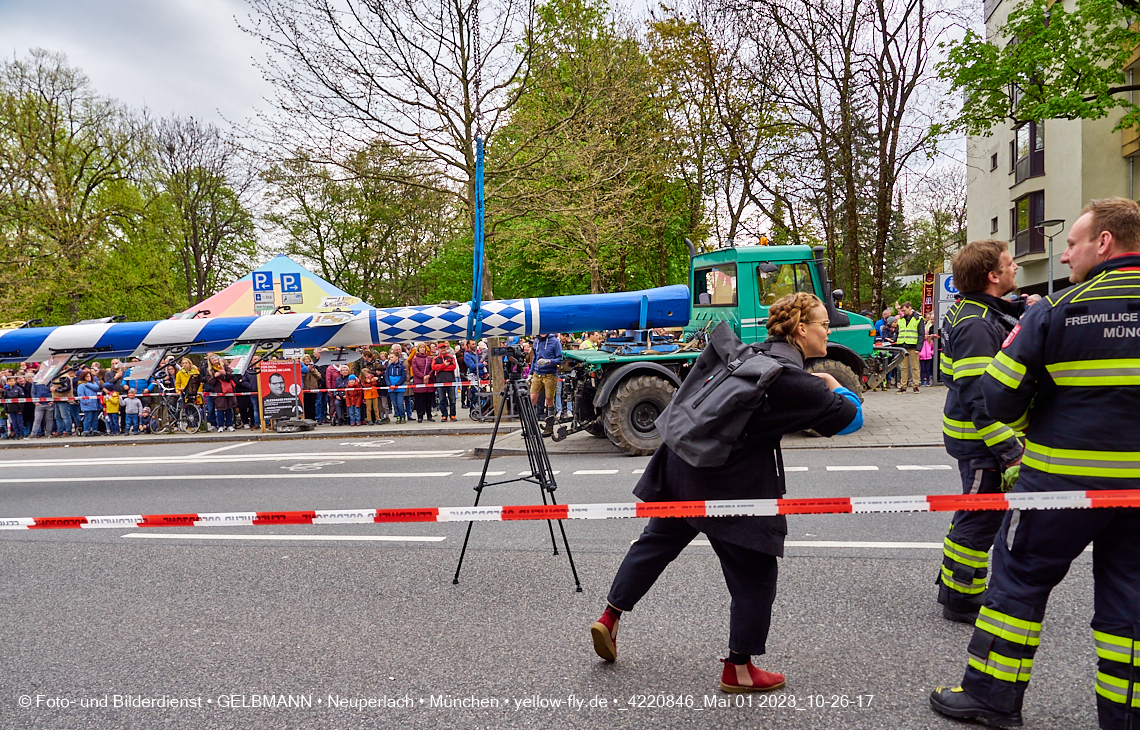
{"x":889,"y":419}
{"x":460,"y":427}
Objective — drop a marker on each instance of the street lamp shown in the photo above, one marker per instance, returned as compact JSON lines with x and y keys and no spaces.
{"x":1060,"y":223}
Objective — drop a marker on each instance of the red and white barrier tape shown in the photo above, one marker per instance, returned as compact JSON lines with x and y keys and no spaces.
{"x":604,"y":511}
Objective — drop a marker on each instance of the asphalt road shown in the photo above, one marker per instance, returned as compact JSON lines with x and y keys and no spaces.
{"x":267,"y":627}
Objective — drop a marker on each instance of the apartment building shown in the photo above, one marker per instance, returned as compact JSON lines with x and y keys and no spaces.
{"x":1020,"y":176}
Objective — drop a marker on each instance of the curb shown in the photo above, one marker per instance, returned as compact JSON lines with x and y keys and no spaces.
{"x":44,"y":443}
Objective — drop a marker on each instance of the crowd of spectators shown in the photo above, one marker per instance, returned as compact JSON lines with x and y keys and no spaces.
{"x":400,"y":383}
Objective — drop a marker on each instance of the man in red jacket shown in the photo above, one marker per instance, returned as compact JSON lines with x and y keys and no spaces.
{"x":444,"y":367}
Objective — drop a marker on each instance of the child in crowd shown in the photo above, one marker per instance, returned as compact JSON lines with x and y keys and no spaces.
{"x":132,"y":407}
{"x":395,"y":375}
{"x":144,"y":419}
{"x":353,"y":399}
{"x":111,"y":410}
{"x":371,"y":396}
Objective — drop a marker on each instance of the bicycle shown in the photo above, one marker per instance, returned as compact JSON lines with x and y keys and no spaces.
{"x":174,"y":411}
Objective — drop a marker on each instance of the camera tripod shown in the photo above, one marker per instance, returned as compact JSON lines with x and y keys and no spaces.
{"x":540,"y":471}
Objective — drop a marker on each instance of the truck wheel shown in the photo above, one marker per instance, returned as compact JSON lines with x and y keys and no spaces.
{"x":845,"y":375}
{"x":632,"y":411}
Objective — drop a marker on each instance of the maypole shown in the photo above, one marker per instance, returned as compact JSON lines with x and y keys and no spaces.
{"x":475,"y":321}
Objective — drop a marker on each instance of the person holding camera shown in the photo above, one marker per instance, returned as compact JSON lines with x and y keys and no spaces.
{"x":747,"y":546}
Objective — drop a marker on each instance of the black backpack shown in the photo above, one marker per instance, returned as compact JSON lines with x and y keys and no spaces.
{"x":705,"y":420}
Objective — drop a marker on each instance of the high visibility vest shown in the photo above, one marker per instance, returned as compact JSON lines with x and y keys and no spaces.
{"x":908,"y":331}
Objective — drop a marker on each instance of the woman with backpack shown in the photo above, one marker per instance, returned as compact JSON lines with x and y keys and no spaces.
{"x":747,"y":546}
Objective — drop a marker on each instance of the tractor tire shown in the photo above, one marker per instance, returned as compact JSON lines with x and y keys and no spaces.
{"x":845,"y":375}
{"x":630,"y":415}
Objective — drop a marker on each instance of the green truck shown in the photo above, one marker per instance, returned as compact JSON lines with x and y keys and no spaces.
{"x":617,"y":392}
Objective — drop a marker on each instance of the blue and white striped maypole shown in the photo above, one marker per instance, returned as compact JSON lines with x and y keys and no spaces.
{"x":475,"y":321}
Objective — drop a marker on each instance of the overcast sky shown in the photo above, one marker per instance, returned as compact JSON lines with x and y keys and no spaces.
{"x":185,"y":57}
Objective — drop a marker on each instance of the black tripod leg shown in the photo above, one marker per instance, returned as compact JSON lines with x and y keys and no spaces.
{"x":479,"y":488}
{"x":569,"y":556}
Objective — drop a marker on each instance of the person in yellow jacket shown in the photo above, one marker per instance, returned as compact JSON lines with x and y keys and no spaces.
{"x":187,"y":379}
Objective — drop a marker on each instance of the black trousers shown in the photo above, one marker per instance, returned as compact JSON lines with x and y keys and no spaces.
{"x":965,"y":549}
{"x":1032,"y":554}
{"x":750,"y":575}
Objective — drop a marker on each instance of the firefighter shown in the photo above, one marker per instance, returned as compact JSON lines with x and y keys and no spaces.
{"x":972,"y":332}
{"x":1072,"y":369}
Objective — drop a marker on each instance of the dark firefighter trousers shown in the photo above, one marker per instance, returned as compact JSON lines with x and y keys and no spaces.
{"x":1032,"y":553}
{"x":965,"y":550}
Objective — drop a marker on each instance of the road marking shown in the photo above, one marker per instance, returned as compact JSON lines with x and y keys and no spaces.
{"x":230,"y":458}
{"x":383,"y":442}
{"x":852,"y":468}
{"x":479,"y":473}
{"x":314,"y":466}
{"x":638,"y":471}
{"x":338,"y":538}
{"x":221,"y":448}
{"x":596,"y":471}
{"x":842,"y":544}
{"x":795,"y":468}
{"x":527,"y":473}
{"x":921,"y":467}
{"x":226,"y":477}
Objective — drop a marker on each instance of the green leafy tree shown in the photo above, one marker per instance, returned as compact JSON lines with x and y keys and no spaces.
{"x":597,"y":208}
{"x":1045,"y":62}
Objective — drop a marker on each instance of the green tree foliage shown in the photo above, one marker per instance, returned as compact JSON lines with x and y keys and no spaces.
{"x":202,"y":183}
{"x":380,"y":233}
{"x":597,"y":207}
{"x":75,"y":240}
{"x":1046,"y":62}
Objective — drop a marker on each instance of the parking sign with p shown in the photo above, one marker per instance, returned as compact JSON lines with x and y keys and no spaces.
{"x":263,"y":281}
{"x":291,"y":282}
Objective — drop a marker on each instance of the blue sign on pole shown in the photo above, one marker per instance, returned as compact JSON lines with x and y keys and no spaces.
{"x":291,"y":282}
{"x":263,"y":281}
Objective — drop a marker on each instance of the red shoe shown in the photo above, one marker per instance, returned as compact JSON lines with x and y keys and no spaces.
{"x":604,"y":632}
{"x":747,"y":678}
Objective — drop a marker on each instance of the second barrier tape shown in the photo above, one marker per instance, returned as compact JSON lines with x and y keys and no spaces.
{"x":604,"y":511}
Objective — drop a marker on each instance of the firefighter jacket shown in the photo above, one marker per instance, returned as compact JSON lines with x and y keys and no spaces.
{"x":1071,"y":371}
{"x":972,"y":333}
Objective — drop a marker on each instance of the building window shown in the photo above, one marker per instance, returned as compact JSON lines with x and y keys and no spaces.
{"x":993,"y":224}
{"x":993,"y":161}
{"x":1028,"y":151}
{"x":1027,"y":212}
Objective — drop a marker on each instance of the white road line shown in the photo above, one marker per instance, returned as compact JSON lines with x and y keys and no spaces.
{"x":840,"y":544}
{"x":852,"y":468}
{"x":875,"y":545}
{"x":315,"y":538}
{"x":221,"y":448}
{"x":479,"y":473}
{"x":922,"y":467}
{"x":596,"y":471}
{"x":196,"y":478}
{"x":795,"y":468}
{"x":527,"y":473}
{"x":638,"y":471}
{"x":232,"y":458}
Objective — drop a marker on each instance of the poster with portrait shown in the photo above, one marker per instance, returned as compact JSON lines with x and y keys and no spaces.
{"x":279,"y":387}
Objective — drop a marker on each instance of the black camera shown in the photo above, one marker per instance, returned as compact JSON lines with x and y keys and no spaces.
{"x":514,"y":360}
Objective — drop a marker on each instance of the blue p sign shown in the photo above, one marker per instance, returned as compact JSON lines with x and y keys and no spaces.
{"x":263,"y":281}
{"x":290,"y":282}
